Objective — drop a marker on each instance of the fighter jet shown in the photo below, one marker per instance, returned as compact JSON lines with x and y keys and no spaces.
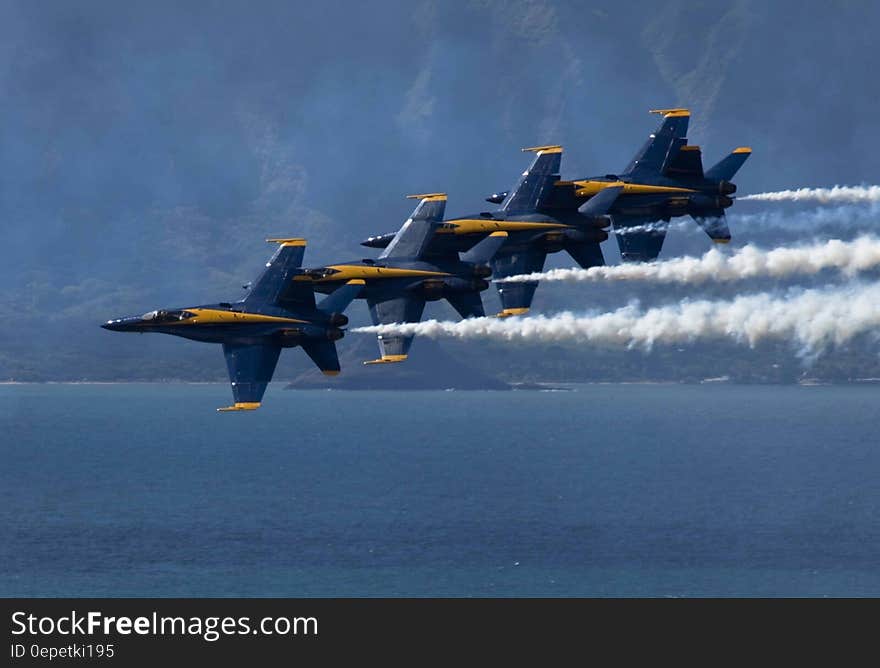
{"x":538,"y":218}
{"x":277,"y":313}
{"x":543,"y":214}
{"x":664,"y":180}
{"x":412,"y":271}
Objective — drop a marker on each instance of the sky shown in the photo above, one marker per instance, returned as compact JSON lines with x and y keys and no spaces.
{"x":148,"y":149}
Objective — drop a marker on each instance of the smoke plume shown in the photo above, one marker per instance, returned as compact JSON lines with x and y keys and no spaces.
{"x":837,"y":194}
{"x":848,"y":257}
{"x":841,"y":219}
{"x":812,"y":319}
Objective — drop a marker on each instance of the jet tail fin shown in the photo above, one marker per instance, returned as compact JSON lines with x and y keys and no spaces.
{"x":468,"y":304}
{"x":324,"y":355}
{"x":729,"y":166}
{"x":640,"y":239}
{"x":535,"y":187}
{"x":484,"y":251}
{"x":715,"y":225}
{"x":413,"y":237}
{"x":338,"y":300}
{"x":586,"y":254}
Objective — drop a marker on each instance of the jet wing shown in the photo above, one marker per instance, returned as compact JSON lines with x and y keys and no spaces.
{"x":687,"y":164}
{"x":651,"y":158}
{"x":640,"y":239}
{"x":323,"y":354}
{"x":395,"y":348}
{"x":599,"y":204}
{"x":250,"y":369}
{"x":415,"y":234}
{"x":296,"y":293}
{"x":516,"y":298}
{"x":276,"y":285}
{"x":338,"y":300}
{"x":535,"y":187}
{"x":442,"y":247}
{"x":468,"y":304}
{"x":484,"y":251}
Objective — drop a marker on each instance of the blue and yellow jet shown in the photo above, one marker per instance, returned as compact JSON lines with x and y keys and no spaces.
{"x":413,"y":270}
{"x":664,"y":180}
{"x":534,"y":226}
{"x":277,"y":313}
{"x":543,"y":214}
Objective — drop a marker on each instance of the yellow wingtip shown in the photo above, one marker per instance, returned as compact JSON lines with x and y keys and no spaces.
{"x":743,"y":149}
{"x":508,"y":312}
{"x":671,"y":113}
{"x":549,"y":148}
{"x":432,"y":197}
{"x":287,"y":242}
{"x":498,"y":234}
{"x":387,"y":359}
{"x":330,"y":372}
{"x":240,"y":406}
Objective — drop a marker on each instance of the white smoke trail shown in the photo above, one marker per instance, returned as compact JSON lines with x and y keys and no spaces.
{"x":813,"y":319}
{"x":843,"y":218}
{"x":839,"y":219}
{"x":840,"y":194}
{"x":658,"y":226}
{"x":848,"y":257}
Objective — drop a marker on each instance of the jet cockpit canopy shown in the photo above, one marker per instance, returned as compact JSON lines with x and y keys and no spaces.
{"x":161,"y":316}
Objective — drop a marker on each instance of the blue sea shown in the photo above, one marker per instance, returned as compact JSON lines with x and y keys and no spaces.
{"x":606,"y":490}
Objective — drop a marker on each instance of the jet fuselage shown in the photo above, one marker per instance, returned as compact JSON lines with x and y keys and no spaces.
{"x":387,"y":278}
{"x":235,"y":324}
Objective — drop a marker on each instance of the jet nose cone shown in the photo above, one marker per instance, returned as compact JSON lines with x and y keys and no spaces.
{"x":118,"y":325}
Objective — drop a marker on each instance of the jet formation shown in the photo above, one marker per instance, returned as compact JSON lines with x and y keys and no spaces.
{"x":431,"y":258}
{"x":544,"y":214}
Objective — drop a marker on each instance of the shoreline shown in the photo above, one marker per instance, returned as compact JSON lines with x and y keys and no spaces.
{"x":537,"y":385}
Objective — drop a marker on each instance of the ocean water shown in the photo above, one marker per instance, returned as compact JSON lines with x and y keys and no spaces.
{"x":609,"y":490}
